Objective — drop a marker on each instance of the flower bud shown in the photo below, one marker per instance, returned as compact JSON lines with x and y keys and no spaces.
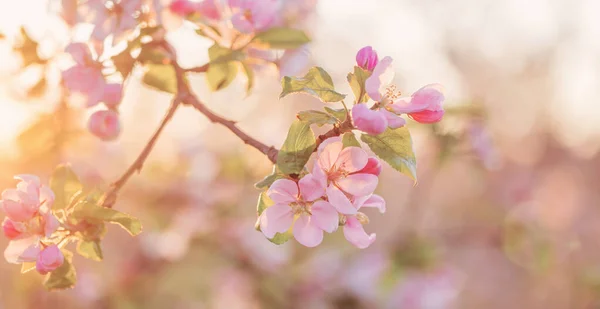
{"x":105,"y":124}
{"x":112,"y":95}
{"x":366,"y":58}
{"x":10,"y":230}
{"x":183,"y":7}
{"x":50,"y":258}
{"x":373,"y":167}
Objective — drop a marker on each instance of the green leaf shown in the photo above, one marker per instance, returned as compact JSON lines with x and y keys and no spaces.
{"x":27,"y":267}
{"x":316,"y":82}
{"x":89,"y":211}
{"x":282,"y":38}
{"x":269,"y":179}
{"x":90,"y":249}
{"x":263,"y":203}
{"x":249,"y":76}
{"x":317,"y":117}
{"x":160,"y":77}
{"x":222,"y":69}
{"x":395,"y":147}
{"x":124,"y":62}
{"x":357,"y":83}
{"x":153,"y":55}
{"x":297,"y":148}
{"x":65,"y":185}
{"x":340,"y":114}
{"x":63,"y":277}
{"x":349,"y":140}
{"x":281,"y":238}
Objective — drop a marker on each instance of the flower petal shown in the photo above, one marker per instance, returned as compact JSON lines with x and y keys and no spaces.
{"x":330,"y":154}
{"x":306,"y":232}
{"x":294,"y":61}
{"x":47,"y":196}
{"x":356,"y":235}
{"x":375,"y":201}
{"x":311,"y":187}
{"x":22,"y":250}
{"x":16,"y":211}
{"x":358,"y":184}
{"x":352,"y":159}
{"x":427,"y":116}
{"x":242,"y":24}
{"x":80,"y":53}
{"x":283,"y":191}
{"x":276,"y":219}
{"x":339,"y":200}
{"x":325,"y":216}
{"x":382,"y":77}
{"x":367,"y":120}
{"x":50,"y":224}
{"x":393,"y":121}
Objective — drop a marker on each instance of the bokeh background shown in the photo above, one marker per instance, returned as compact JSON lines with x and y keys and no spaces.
{"x":505,"y":213}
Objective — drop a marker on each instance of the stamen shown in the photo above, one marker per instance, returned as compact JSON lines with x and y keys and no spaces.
{"x":392,"y":93}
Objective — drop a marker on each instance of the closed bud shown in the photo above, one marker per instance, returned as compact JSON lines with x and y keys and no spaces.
{"x":105,"y":124}
{"x":49,"y":259}
{"x":366,"y":58}
{"x":373,"y":167}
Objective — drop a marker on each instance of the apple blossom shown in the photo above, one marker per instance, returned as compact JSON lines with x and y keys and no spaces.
{"x":50,"y":258}
{"x":374,"y":121}
{"x":105,"y":124}
{"x":116,"y":17}
{"x":300,"y":202}
{"x":366,"y":58}
{"x":253,"y":15}
{"x":353,"y":226}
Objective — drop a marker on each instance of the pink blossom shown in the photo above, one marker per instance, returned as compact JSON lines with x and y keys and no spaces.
{"x":209,"y":9}
{"x":23,"y":250}
{"x":183,"y":7}
{"x":50,"y":258}
{"x":339,"y":169}
{"x":253,"y":15}
{"x":112,"y":17}
{"x":424,"y":106}
{"x":374,"y":121}
{"x":300,"y":200}
{"x":353,"y":228}
{"x":113,"y":94}
{"x":366,"y":58}
{"x":85,"y":77}
{"x":294,"y":61}
{"x":373,"y":167}
{"x":105,"y":124}
{"x":381,"y":78}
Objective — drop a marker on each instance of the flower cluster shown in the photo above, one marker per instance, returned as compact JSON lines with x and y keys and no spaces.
{"x":342,"y":181}
{"x":29,"y":224}
{"x":424,"y":106}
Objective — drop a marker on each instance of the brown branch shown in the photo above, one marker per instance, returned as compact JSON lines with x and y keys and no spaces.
{"x":337,"y":130}
{"x":111,"y":196}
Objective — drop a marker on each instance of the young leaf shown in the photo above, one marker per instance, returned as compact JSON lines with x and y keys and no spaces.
{"x":297,"y":148}
{"x":65,"y":185}
{"x":153,"y":55}
{"x":340,"y":114}
{"x":349,"y":140}
{"x":316,"y":82}
{"x":281,"y":238}
{"x":269,"y":179}
{"x":357,"y":83}
{"x":222,"y":69}
{"x":263,"y":203}
{"x":124,"y":62}
{"x":63,"y":277}
{"x":395,"y":147}
{"x":90,"y":211}
{"x":160,"y":77}
{"x":282,"y":38}
{"x":90,"y":249}
{"x":316,"y":117}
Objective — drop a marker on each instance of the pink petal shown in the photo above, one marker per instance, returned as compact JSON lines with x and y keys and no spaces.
{"x":80,"y":52}
{"x":375,"y":201}
{"x":276,"y":219}
{"x":112,"y":95}
{"x":283,"y":191}
{"x":50,"y":224}
{"x":358,"y":184}
{"x":105,"y":124}
{"x":22,"y":250}
{"x":394,"y":121}
{"x":326,"y":143}
{"x":427,"y":116}
{"x":49,"y":259}
{"x":373,"y":167}
{"x":382,"y":77}
{"x":240,"y":23}
{"x":367,"y":120}
{"x":263,"y":14}
{"x":356,"y":235}
{"x":429,"y":97}
{"x":325,"y":216}
{"x":311,"y":188}
{"x":46,"y":196}
{"x":319,"y":175}
{"x":16,"y":211}
{"x":352,"y":159}
{"x":366,"y":58}
{"x":330,"y":154}
{"x":29,"y":179}
{"x":11,"y":229}
{"x":209,"y":9}
{"x":306,"y":232}
{"x":339,"y":200}
{"x":294,"y":61}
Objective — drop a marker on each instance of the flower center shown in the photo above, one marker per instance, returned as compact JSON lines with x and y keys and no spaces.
{"x":301,"y":207}
{"x":392,"y":93}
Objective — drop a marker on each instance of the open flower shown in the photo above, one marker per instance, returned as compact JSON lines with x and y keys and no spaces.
{"x":253,"y":15}
{"x":116,"y":17}
{"x":340,"y":170}
{"x":353,"y":226}
{"x":300,"y":202}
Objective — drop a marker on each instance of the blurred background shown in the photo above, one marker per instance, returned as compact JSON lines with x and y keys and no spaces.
{"x":505,"y":213}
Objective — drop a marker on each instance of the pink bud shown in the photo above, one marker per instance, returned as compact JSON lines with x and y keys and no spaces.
{"x":183,"y":7}
{"x":209,"y":9}
{"x":373,"y":167}
{"x":49,"y":259}
{"x":112,"y":95}
{"x":105,"y":124}
{"x":366,"y":58}
{"x":10,"y":230}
